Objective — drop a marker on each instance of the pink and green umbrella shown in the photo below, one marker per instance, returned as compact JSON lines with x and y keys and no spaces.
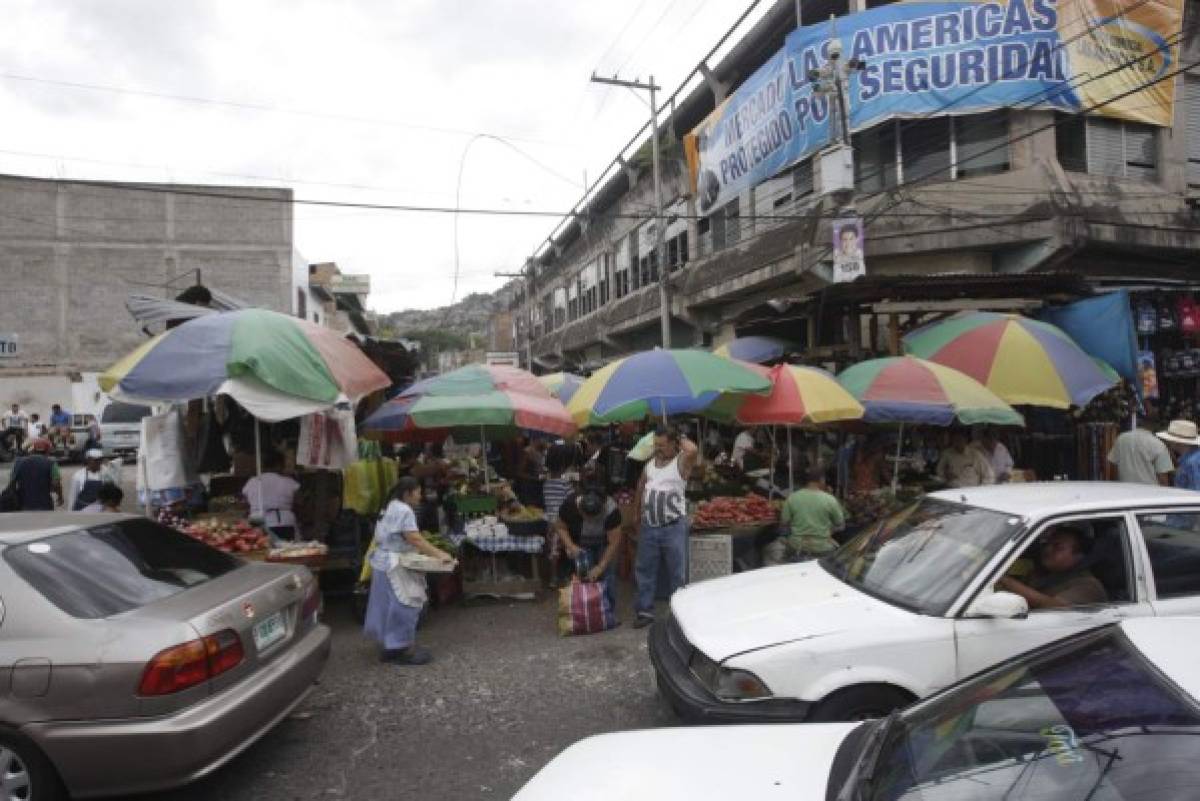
{"x":1023,"y":361}
{"x":905,"y":389}
{"x":276,"y":366}
{"x":489,"y":399}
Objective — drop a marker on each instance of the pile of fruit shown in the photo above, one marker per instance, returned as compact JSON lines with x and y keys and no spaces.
{"x":239,"y":537}
{"x":726,"y":512}
{"x":298,"y":551}
{"x":523,"y":514}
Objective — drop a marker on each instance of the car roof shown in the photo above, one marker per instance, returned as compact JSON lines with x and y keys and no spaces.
{"x":1165,"y":641}
{"x":1041,"y":499}
{"x":19,"y":527}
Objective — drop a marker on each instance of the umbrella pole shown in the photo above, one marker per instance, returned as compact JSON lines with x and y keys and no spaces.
{"x":258,"y":468}
{"x":487,"y":481}
{"x":771,"y":474}
{"x":791,"y":473}
{"x":896,"y":466}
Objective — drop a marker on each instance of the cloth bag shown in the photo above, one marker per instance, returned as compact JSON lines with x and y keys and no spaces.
{"x":582,"y":607}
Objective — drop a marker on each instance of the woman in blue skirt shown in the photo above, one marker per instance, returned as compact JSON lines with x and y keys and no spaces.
{"x":397,"y":593}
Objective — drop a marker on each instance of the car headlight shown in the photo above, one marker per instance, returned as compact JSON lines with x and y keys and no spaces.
{"x":740,"y":685}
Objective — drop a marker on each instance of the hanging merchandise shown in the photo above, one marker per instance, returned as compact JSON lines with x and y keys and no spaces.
{"x":1166,"y":317}
{"x":1148,"y":374}
{"x":1147,"y":318}
{"x":166,"y":463}
{"x":327,"y":440}
{"x":1189,"y":315}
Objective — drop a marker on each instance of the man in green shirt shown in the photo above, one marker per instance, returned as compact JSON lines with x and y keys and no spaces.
{"x":812,"y":515}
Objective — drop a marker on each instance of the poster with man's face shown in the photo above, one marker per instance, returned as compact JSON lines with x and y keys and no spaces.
{"x":848,"y":261}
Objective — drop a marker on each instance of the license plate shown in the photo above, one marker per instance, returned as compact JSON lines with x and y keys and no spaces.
{"x":269,"y":631}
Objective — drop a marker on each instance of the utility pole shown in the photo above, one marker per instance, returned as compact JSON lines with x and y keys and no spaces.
{"x":660,"y":246}
{"x":830,"y":80}
{"x":527,"y":287}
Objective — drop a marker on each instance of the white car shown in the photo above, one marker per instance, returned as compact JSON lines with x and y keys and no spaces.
{"x":1108,"y":714}
{"x":121,"y":429}
{"x":909,"y":607}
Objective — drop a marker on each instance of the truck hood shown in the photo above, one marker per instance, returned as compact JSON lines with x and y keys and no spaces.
{"x":705,"y":763}
{"x":760,"y":608}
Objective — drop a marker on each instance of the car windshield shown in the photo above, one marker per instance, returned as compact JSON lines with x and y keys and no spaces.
{"x":924,"y":556}
{"x":1087,"y":719}
{"x":117,"y":412}
{"x":109,"y":569}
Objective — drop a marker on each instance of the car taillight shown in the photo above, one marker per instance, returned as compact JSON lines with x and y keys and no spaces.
{"x":175,"y":669}
{"x":183,"y":666}
{"x":311,"y":610}
{"x":224,"y":651}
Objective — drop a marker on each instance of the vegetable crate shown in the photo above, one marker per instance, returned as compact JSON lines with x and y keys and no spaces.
{"x":475,"y":504}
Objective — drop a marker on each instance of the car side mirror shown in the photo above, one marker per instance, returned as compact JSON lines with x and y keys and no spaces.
{"x":1001,"y":605}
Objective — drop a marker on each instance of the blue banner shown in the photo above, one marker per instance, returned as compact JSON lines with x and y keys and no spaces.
{"x":923,"y":59}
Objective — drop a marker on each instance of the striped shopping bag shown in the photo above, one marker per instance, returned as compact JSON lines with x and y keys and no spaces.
{"x":582,"y":607}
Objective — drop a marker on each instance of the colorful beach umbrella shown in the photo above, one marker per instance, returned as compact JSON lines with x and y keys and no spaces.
{"x":756,"y":349}
{"x":562,"y":385}
{"x":660,"y":382}
{"x":905,"y":389}
{"x":1023,"y":361}
{"x":276,"y":366}
{"x":474,"y":378}
{"x":800,"y":396}
{"x":491,"y":400}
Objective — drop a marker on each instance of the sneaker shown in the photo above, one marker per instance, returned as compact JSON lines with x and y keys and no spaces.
{"x":413,"y":655}
{"x":643,"y":620}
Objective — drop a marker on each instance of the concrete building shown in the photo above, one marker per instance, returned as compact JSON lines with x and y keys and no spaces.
{"x":339,"y":300}
{"x":72,"y":251}
{"x":1005,"y":193}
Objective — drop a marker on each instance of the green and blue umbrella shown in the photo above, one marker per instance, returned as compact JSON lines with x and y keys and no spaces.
{"x":660,"y":382}
{"x":276,"y":366}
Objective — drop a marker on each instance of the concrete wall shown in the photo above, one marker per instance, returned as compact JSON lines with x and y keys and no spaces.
{"x":71,"y":252}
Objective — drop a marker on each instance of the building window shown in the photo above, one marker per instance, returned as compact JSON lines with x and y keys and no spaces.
{"x":1101,"y":146}
{"x":301,"y":304}
{"x":635,"y":260}
{"x":980,"y":144}
{"x":560,"y":307}
{"x":725,"y":224}
{"x":802,"y":179}
{"x":573,"y":299}
{"x":925,"y":150}
{"x":621,"y":270}
{"x":875,"y":155}
{"x":605,"y":270}
{"x":1191,"y":124}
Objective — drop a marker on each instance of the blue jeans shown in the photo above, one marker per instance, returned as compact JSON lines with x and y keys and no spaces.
{"x":656,"y":543}
{"x":595,"y":554}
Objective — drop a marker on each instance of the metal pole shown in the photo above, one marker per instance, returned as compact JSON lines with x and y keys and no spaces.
{"x":799,"y":15}
{"x":664,"y":288}
{"x":529,"y":319}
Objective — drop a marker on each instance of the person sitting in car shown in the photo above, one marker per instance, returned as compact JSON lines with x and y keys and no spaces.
{"x":1060,"y":578}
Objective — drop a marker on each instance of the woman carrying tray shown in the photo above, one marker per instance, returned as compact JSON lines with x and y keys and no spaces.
{"x":397,"y":593}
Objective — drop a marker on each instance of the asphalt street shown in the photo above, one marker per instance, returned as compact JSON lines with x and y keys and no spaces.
{"x":503,"y":696}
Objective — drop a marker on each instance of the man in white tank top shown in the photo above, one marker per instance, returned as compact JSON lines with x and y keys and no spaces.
{"x":661,"y":509}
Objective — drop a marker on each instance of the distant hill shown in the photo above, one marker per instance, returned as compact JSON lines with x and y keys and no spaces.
{"x":469,"y":316}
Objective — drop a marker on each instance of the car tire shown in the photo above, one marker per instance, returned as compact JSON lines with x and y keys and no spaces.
{"x":860,"y":703}
{"x":25,"y":773}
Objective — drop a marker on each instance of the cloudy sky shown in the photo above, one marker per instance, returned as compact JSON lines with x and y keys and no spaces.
{"x":364,"y":100}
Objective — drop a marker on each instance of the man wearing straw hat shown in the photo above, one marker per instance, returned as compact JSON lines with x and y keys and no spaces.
{"x":1183,"y":440}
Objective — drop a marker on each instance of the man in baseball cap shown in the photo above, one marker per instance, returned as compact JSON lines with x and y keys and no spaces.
{"x":1183,"y":440}
{"x":35,"y":478}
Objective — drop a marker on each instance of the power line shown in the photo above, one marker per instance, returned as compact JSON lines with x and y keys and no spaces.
{"x":262,"y":107}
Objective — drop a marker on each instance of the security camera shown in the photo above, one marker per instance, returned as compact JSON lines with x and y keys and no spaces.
{"x":835,"y":49}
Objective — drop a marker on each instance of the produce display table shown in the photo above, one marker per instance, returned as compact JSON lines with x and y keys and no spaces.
{"x":481,"y":568}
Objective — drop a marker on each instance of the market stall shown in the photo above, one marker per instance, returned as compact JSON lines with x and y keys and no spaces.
{"x":222,"y":376}
{"x":482,"y":403}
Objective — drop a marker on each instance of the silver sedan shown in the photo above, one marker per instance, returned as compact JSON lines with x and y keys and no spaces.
{"x":134,"y":658}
